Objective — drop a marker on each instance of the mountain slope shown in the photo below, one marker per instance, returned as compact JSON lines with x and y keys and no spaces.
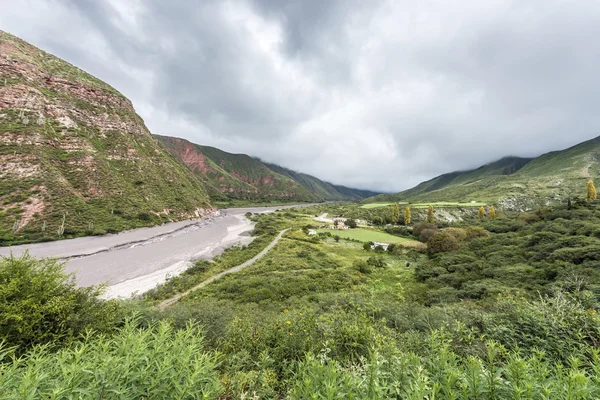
{"x":514,"y":182}
{"x":239,"y":176}
{"x":235,"y":176}
{"x":73,"y":148}
{"x":323,"y":189}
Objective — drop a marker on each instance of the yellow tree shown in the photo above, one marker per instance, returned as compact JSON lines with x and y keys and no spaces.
{"x":395,"y":213}
{"x":492,"y":212}
{"x":481,"y":213}
{"x":591,"y":191}
{"x":430,"y":216}
{"x":407,"y":216}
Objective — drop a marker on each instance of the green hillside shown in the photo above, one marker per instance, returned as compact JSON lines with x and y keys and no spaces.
{"x":323,"y":189}
{"x":73,"y":149}
{"x":513,"y":182}
{"x":241,"y":177}
{"x":236,"y":176}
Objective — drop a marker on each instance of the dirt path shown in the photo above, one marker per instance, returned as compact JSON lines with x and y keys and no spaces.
{"x":166,"y":303}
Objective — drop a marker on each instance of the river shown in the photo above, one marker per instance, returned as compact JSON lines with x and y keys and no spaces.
{"x":135,"y":261}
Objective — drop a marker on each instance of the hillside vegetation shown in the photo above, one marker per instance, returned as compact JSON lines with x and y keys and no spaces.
{"x":231,"y":177}
{"x":75,"y":158}
{"x":512,"y":182}
{"x":510,"y":312}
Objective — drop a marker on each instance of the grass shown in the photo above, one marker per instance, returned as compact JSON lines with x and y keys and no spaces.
{"x":370,"y":235}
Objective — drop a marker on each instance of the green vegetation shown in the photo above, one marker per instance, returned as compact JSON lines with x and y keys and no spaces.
{"x":371,"y":235}
{"x":232,"y":178}
{"x":503,"y":308}
{"x":517,"y":183}
{"x":98,"y":175}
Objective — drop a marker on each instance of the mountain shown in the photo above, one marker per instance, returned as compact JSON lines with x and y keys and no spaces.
{"x":241,"y":177}
{"x":235,"y":176}
{"x":326,"y":190}
{"x":513,"y":182}
{"x":73,"y":148}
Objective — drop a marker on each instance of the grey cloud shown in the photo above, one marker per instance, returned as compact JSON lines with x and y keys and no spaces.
{"x":377,"y":94}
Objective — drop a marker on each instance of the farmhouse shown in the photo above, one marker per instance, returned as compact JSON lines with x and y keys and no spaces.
{"x":339,"y":219}
{"x":384,"y":246}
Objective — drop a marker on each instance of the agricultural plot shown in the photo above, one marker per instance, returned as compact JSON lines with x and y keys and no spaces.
{"x":370,"y":235}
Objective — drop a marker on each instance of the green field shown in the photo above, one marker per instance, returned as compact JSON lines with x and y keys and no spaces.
{"x":377,"y":205}
{"x":369,"y":235}
{"x":437,"y":204}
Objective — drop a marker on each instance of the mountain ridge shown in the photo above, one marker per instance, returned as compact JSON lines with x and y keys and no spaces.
{"x":242,"y":177}
{"x":513,"y":182}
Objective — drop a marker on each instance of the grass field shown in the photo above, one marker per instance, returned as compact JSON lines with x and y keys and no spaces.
{"x":377,"y":205}
{"x":369,"y":235}
{"x":424,"y":205}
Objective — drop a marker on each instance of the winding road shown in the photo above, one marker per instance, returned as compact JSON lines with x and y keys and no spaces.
{"x":174,"y":299}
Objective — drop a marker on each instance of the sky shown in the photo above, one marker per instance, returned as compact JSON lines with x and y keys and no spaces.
{"x":374,"y":94}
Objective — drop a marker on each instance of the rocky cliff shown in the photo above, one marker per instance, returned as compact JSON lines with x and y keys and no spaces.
{"x":75,"y":158}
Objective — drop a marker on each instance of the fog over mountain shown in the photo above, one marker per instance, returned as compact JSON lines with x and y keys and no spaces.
{"x":370,"y":94}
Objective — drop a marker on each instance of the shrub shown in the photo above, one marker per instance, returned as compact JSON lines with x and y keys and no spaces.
{"x":156,"y":363}
{"x":376,"y":262}
{"x":458,"y":233}
{"x":39,"y":304}
{"x":426,"y":234}
{"x":367,"y":246}
{"x":476,"y":232}
{"x":362,"y":266}
{"x":421,"y":226}
{"x":442,"y":242}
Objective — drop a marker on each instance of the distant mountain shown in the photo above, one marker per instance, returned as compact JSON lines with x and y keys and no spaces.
{"x":514,"y":182}
{"x":326,"y":190}
{"x":239,"y":176}
{"x":73,"y":148}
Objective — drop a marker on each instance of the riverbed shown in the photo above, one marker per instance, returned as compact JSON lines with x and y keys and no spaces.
{"x":135,"y":261}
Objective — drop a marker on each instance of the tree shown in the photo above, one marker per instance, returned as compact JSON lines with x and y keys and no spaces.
{"x":481,"y":213}
{"x":335,"y":223}
{"x":407,"y":216}
{"x":492,"y":212}
{"x":377,"y":221}
{"x":350,"y":223}
{"x":442,"y":242}
{"x":336,"y":238}
{"x":395,"y":214}
{"x":591,"y":191}
{"x":430,"y":217}
{"x":367,"y":246}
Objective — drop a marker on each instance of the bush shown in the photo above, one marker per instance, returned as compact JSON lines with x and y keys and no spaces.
{"x":458,"y":233}
{"x":421,"y":226}
{"x":362,"y":266}
{"x":476,"y":232}
{"x":442,"y":242}
{"x":376,"y":262}
{"x":367,"y":246}
{"x":40,"y":304}
{"x":155,"y":363}
{"x":426,"y":234}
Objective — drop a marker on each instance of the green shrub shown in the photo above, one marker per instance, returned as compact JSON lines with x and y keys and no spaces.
{"x":156,"y":363}
{"x":442,"y":242}
{"x":40,"y":304}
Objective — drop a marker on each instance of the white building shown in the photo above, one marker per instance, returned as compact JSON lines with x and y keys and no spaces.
{"x":312,"y":232}
{"x":379,"y":244}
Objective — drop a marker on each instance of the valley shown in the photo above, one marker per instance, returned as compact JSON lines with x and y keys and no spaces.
{"x":142,"y":266}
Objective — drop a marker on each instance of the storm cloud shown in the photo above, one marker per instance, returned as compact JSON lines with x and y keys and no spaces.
{"x":372,"y":94}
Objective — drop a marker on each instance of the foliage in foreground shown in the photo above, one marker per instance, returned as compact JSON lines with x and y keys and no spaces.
{"x":40,"y":304}
{"x":158,"y":362}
